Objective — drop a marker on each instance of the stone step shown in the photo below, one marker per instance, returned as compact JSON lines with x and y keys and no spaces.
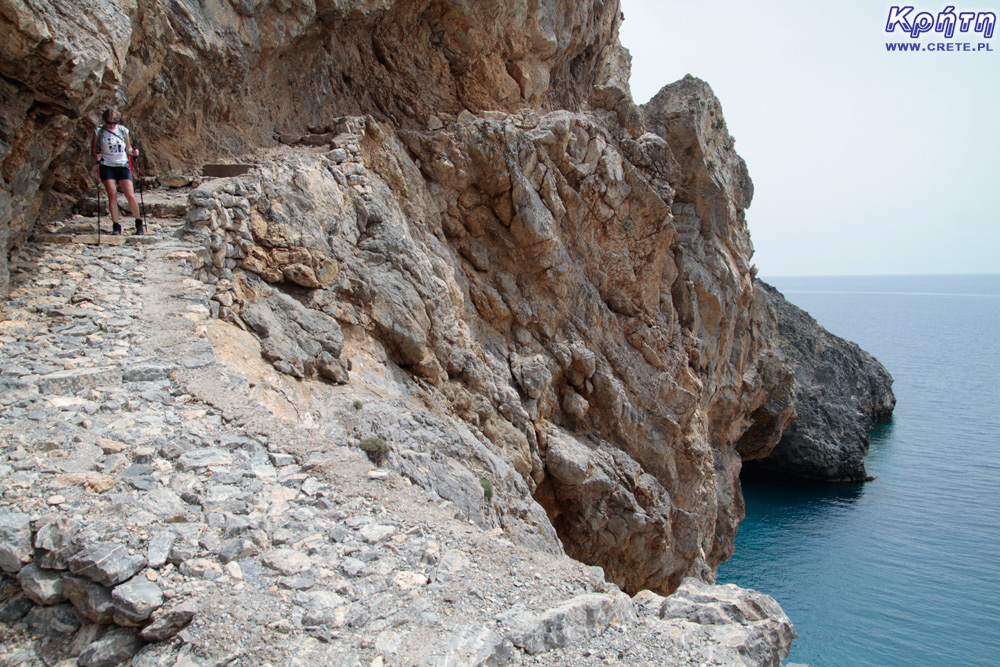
{"x":86,"y":239}
{"x":158,"y":203}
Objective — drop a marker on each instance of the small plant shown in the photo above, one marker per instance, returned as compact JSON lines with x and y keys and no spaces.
{"x":628,"y":224}
{"x":358,"y":404}
{"x":487,"y":489}
{"x":377,"y":450}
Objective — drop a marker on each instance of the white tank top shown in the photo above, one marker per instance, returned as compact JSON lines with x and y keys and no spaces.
{"x":111,"y":145}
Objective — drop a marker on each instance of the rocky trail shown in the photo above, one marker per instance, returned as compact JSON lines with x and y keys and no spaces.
{"x":168,"y":498}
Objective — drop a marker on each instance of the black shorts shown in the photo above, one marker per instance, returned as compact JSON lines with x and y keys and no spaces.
{"x":109,"y":173}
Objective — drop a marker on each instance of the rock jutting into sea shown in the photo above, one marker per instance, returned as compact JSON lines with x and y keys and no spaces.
{"x":841,"y":392}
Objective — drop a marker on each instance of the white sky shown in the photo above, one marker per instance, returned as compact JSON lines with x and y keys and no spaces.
{"x":863,"y":161}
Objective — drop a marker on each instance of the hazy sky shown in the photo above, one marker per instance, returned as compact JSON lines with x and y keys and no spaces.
{"x":863,"y":161}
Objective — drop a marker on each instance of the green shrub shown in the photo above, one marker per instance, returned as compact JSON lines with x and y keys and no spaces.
{"x":358,"y":404}
{"x":377,"y":450}
{"x":487,"y":489}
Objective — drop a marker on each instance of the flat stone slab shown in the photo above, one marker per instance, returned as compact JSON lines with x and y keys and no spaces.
{"x":106,"y":239}
{"x":203,"y":458}
{"x":225,"y":170}
{"x":106,"y":563}
{"x":78,"y":380}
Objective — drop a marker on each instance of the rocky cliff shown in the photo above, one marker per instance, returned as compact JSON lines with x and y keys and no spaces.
{"x":470,"y":197}
{"x":841,"y":392}
{"x":199,"y":80}
{"x":169,"y":499}
{"x":454,"y":207}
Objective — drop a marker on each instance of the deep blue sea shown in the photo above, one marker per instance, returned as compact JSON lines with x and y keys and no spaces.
{"x":904,"y":570}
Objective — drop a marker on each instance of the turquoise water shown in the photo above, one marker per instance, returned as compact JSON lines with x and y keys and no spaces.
{"x":904,"y":570}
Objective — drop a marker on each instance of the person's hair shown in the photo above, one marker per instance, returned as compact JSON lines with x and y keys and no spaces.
{"x":111,"y":115}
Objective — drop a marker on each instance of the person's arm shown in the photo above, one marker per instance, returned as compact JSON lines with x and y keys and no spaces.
{"x":128,"y":144}
{"x":93,"y":147}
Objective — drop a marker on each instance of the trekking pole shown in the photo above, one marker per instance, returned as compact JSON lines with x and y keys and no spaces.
{"x":142,"y":201}
{"x":138,"y":180}
{"x":98,"y":202}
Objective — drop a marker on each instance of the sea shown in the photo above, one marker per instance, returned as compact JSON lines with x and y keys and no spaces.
{"x":904,"y":570}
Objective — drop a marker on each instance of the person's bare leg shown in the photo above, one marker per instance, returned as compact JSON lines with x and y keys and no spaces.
{"x":109,"y":185}
{"x":129,"y":192}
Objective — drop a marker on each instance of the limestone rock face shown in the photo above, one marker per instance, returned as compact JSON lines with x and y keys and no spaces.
{"x":840,"y":391}
{"x":537,"y":271}
{"x":455,"y":204}
{"x":198,"y":80}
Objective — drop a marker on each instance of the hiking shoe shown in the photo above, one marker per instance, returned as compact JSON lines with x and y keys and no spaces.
{"x":116,"y":229}
{"x":139,"y":229}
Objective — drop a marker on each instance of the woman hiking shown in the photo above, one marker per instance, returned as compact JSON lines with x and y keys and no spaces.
{"x":111,"y":148}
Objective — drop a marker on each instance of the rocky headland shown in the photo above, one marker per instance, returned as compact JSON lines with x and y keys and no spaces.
{"x":841,"y":393}
{"x":457,"y":244}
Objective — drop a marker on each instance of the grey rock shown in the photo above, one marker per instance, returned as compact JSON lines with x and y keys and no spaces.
{"x":321,"y":608}
{"x":76,"y":382}
{"x":375,"y":533}
{"x":91,"y":600}
{"x":144,"y":455}
{"x":452,"y":562}
{"x":14,"y":609}
{"x":572,"y":622}
{"x":840,"y":393}
{"x":749,"y":624}
{"x":203,"y":458}
{"x":115,"y":647}
{"x":182,"y":552}
{"x":293,"y":335}
{"x":15,"y":540}
{"x":135,"y":600}
{"x":55,"y":542}
{"x":476,"y":645}
{"x":339,"y":533}
{"x":354,"y":567}
{"x":54,"y":621}
{"x":280,"y":459}
{"x":298,"y":582}
{"x":235,"y":525}
{"x":201,"y":568}
{"x":42,"y":586}
{"x":287,"y":561}
{"x":147,"y":372}
{"x":168,"y":621}
{"x":159,"y":548}
{"x":238,"y":548}
{"x":106,"y":563}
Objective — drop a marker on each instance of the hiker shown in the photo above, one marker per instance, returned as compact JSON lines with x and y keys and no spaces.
{"x":111,"y":147}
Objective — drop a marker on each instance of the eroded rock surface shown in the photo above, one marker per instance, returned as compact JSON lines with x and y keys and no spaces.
{"x":840,"y":393}
{"x":567,"y":307}
{"x":262,"y":533}
{"x":202,"y":81}
{"x":452,"y":232}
